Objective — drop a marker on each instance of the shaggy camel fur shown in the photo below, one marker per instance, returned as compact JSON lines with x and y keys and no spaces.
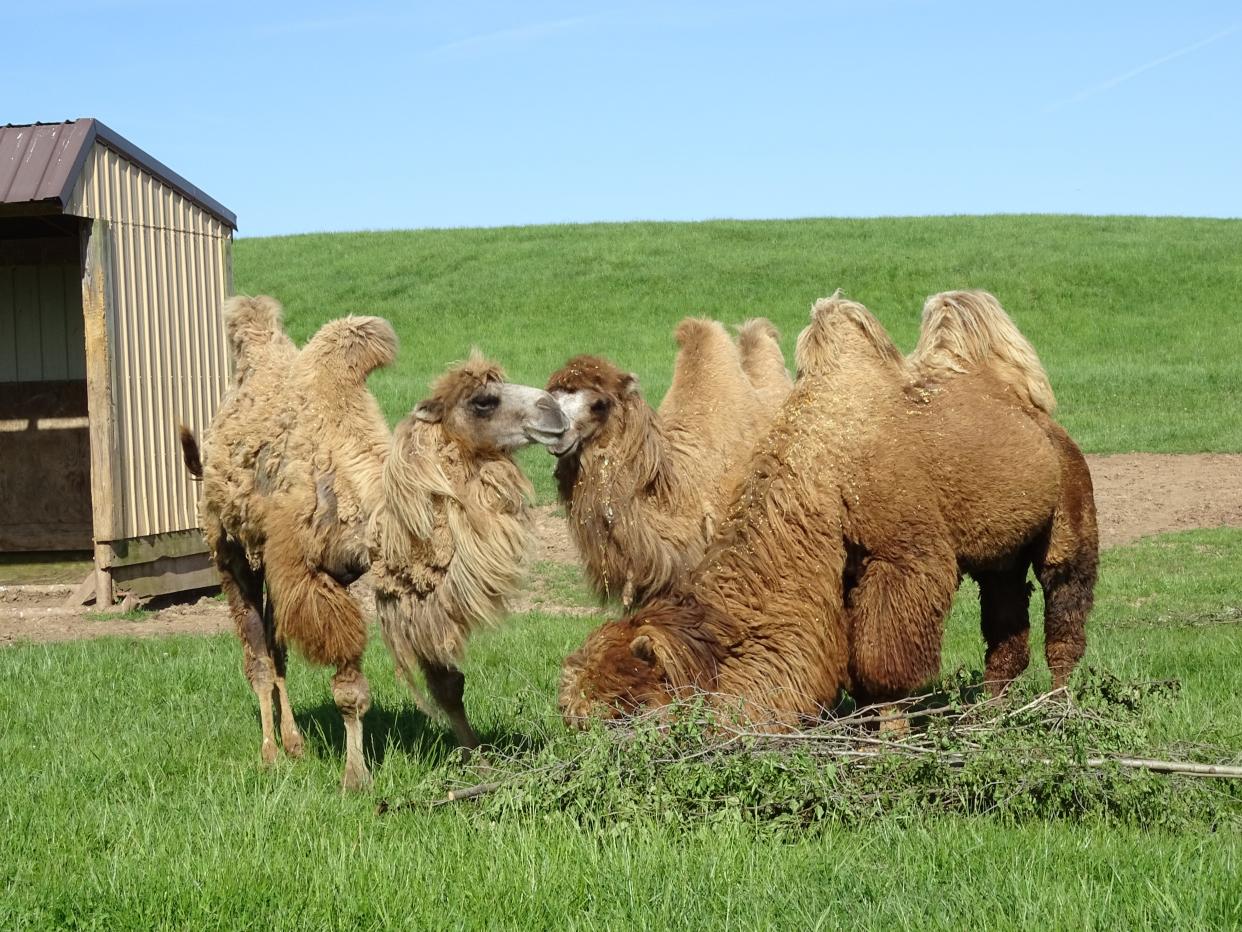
{"x":881,"y":481}
{"x":452,"y":537}
{"x":643,"y":490}
{"x":291,"y":473}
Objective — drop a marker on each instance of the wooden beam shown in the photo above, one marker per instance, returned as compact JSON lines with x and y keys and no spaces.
{"x":98,"y":314}
{"x":155,"y":546}
{"x":166,"y":575}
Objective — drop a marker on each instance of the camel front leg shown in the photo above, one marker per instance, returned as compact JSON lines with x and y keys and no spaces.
{"x":1004,"y":610}
{"x":897,"y":613}
{"x":353,"y":697}
{"x":447,"y":686}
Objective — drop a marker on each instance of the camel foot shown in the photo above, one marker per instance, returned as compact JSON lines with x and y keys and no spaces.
{"x":355,"y":778}
{"x":894,"y":724}
{"x":268,"y":753}
{"x":294,"y":746}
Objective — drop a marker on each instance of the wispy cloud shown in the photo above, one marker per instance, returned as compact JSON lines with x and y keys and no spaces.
{"x":508,"y":38}
{"x":1135,"y":72}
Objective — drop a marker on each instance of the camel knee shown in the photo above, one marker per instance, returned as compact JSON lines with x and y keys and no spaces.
{"x":351,"y":692}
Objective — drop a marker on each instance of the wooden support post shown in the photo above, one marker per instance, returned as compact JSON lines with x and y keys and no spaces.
{"x":98,"y":313}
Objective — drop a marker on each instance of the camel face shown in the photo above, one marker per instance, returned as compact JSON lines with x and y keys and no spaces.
{"x":492,"y":416}
{"x":589,"y":391}
{"x":586,"y":413}
{"x":616,"y":672}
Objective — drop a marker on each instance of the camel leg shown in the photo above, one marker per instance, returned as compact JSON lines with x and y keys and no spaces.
{"x":897,"y":610}
{"x":447,"y":686}
{"x":353,"y":697}
{"x":244,"y":591}
{"x":1004,"y":602}
{"x":290,"y":737}
{"x":1069,"y":590}
{"x":1067,"y":568}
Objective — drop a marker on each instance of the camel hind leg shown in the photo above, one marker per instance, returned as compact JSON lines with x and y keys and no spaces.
{"x":1067,"y":568}
{"x":1004,"y":603}
{"x":897,"y":611}
{"x":290,"y":737}
{"x":243,"y":587}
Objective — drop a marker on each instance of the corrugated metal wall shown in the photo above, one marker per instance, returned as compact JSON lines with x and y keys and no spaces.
{"x":170,"y":274}
{"x":41,"y":323}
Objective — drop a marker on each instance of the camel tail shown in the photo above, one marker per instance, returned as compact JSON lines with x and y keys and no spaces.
{"x":351,"y":348}
{"x":759,"y":343}
{"x":250,"y":323}
{"x":312,"y":610}
{"x":190,"y":453}
{"x":965,"y":331}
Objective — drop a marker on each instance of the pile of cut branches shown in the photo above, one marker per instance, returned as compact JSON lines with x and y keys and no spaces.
{"x":1083,"y":752}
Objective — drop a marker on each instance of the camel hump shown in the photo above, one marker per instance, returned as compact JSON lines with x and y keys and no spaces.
{"x":839,"y":328}
{"x":759,"y":343}
{"x":966,"y":331}
{"x":753,"y":333}
{"x":353,"y":347}
{"x":694,"y":332}
{"x":250,"y":323}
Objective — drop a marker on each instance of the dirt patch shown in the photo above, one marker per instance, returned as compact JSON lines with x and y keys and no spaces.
{"x":1140,"y":494}
{"x":1137,"y":495}
{"x":38,"y":613}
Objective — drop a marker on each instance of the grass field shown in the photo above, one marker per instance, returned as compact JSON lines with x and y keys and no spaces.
{"x":131,"y":797}
{"x":1136,"y":319}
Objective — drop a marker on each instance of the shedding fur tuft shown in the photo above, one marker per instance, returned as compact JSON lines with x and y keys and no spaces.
{"x":964,"y":331}
{"x":451,"y":544}
{"x":313,"y":610}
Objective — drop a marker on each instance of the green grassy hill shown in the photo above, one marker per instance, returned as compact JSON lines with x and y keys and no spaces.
{"x":1135,"y":318}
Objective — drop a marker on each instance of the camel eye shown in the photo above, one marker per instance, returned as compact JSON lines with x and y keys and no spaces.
{"x":599,"y":406}
{"x":485,"y":405}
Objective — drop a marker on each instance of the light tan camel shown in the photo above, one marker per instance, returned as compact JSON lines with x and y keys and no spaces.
{"x":881,"y":481}
{"x":643,"y":490}
{"x":452,"y":537}
{"x":291,"y":473}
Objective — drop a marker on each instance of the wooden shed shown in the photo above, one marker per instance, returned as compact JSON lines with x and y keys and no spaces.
{"x":113,"y":269}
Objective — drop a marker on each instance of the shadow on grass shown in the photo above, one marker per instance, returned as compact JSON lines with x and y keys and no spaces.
{"x":405,"y":729}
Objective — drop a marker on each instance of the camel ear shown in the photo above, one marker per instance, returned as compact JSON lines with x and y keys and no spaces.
{"x":629,"y":384}
{"x":429,"y":411}
{"x":643,"y":648}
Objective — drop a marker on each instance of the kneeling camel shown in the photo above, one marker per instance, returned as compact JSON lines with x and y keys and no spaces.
{"x":882,"y":481}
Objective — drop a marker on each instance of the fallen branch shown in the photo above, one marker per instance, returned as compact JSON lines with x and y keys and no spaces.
{"x":470,"y":792}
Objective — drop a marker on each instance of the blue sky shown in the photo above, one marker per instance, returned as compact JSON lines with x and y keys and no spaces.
{"x":327,"y":116}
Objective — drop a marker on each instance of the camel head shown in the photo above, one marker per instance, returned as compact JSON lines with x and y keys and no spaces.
{"x":590,"y":391}
{"x":484,"y":413}
{"x":663,"y":652}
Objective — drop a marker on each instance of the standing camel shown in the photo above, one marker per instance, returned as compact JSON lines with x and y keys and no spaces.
{"x":452,"y":537}
{"x":291,"y":472}
{"x":643,"y":489}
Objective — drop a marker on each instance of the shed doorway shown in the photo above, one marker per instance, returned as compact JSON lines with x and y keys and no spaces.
{"x":45,"y":481}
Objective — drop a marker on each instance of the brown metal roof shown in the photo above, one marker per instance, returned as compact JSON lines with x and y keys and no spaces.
{"x":40,"y":163}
